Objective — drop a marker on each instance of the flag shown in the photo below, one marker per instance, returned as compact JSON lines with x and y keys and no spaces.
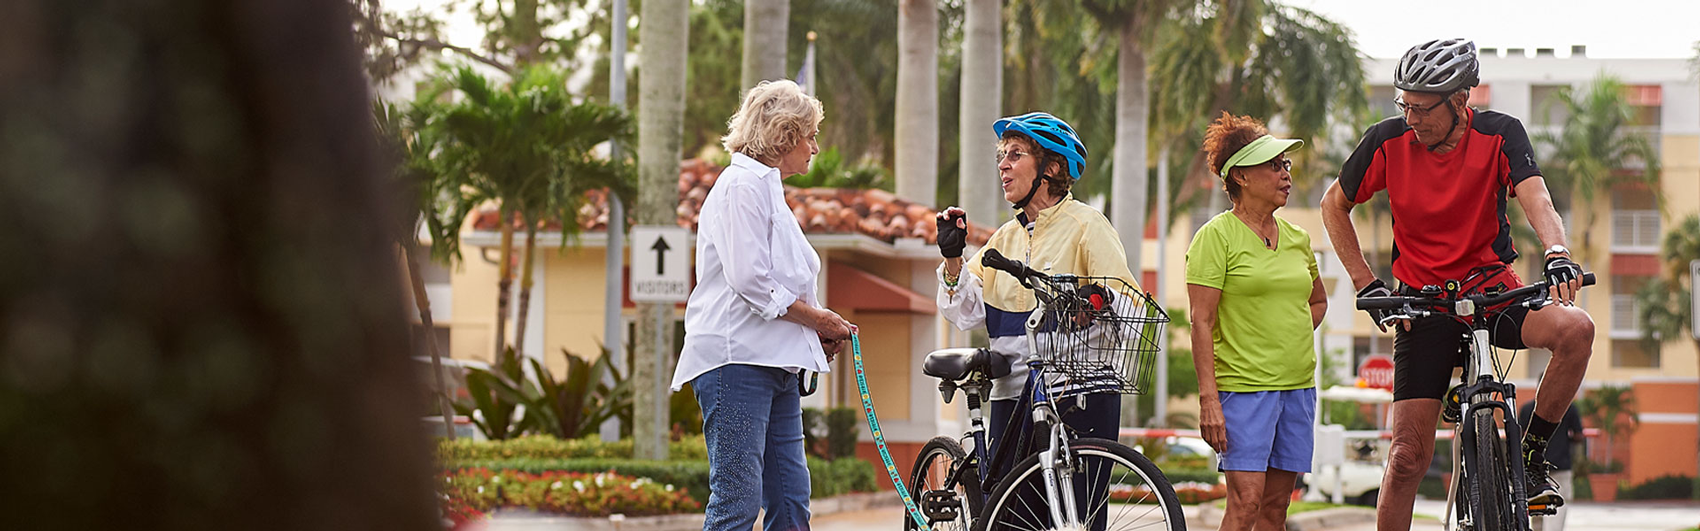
{"x":806,"y":74}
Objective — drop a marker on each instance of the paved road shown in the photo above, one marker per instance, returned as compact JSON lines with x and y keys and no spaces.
{"x":1626,"y":516}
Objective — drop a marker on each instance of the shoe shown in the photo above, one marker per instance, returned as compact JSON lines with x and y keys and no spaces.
{"x":1540,"y":487}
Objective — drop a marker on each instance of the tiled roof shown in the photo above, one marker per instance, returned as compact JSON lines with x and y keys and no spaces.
{"x":875,"y":213}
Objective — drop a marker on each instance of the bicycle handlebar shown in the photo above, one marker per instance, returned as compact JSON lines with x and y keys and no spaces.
{"x":1015,"y":268}
{"x":1480,"y":301}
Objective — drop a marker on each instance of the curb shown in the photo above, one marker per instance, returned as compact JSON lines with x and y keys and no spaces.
{"x":527,"y":520}
{"x":1330,"y":518}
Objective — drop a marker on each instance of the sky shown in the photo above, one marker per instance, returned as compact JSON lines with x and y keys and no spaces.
{"x":1610,"y":29}
{"x":1383,"y":28}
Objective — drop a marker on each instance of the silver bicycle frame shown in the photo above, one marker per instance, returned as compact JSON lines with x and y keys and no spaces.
{"x":1043,"y":411}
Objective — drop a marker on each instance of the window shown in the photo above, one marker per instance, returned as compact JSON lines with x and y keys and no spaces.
{"x":1381,"y":102}
{"x":1634,"y":221}
{"x":439,"y":333}
{"x":1544,"y":103}
{"x":1625,"y":312}
{"x":1630,"y":353}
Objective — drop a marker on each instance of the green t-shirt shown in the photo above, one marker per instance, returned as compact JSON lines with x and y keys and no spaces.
{"x":1263,"y":324}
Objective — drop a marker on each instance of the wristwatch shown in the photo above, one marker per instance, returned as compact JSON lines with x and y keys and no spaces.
{"x":1558,"y":249}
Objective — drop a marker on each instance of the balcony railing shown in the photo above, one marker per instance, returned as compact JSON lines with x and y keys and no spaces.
{"x":1625,"y":317}
{"x":1635,"y":231}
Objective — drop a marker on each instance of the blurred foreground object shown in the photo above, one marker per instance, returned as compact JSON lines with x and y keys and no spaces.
{"x":201,"y":318}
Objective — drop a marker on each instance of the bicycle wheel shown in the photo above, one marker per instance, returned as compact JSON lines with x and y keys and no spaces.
{"x":1490,"y":488}
{"x":949,"y":503}
{"x":1114,"y":487}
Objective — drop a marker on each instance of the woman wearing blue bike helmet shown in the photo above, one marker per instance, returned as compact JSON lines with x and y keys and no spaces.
{"x":1039,"y":158}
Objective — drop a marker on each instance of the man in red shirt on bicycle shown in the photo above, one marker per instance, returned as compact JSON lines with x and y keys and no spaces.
{"x":1448,"y":170}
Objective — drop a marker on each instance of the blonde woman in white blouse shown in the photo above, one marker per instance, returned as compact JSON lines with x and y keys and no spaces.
{"x":754,"y":320}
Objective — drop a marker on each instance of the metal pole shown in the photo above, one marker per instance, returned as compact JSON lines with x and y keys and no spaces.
{"x":612,"y":304}
{"x":1162,"y":396}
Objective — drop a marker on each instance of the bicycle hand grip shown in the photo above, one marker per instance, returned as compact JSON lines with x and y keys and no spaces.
{"x":1382,"y":303}
{"x":996,"y":260}
{"x":1587,"y":279}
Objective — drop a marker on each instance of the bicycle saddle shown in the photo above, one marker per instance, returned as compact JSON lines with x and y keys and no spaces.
{"x":957,"y":363}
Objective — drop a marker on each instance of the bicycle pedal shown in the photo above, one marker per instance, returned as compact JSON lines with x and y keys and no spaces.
{"x":1543,"y":509}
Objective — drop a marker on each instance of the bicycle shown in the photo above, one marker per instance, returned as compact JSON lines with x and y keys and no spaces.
{"x":1097,"y":335}
{"x":1487,"y":491}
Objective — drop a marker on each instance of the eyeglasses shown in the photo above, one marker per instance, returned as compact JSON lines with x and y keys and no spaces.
{"x":1013,"y":156}
{"x":1280,"y":164}
{"x":1416,"y":110}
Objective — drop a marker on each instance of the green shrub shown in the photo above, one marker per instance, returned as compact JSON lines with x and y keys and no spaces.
{"x":547,"y":447}
{"x":840,"y":476}
{"x":1671,"y":487}
{"x":812,"y":430}
{"x":688,"y":476}
{"x":570,"y":493}
{"x":1584,"y":487}
{"x":826,"y":478}
{"x":1195,"y":462}
{"x":1193,"y":475}
{"x":843,"y":425}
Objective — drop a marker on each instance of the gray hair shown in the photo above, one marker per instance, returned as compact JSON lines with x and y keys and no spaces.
{"x":774,"y":118}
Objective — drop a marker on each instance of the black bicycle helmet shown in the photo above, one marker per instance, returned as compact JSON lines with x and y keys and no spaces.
{"x":1441,"y":66}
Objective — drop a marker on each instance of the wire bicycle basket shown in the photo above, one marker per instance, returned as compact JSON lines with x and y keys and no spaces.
{"x":1105,"y":337}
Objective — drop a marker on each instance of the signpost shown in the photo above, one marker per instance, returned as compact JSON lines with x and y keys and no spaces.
{"x":1376,"y":371}
{"x":661,"y":264}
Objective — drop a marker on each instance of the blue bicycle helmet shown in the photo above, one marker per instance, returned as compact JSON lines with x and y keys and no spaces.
{"x":1051,"y":133}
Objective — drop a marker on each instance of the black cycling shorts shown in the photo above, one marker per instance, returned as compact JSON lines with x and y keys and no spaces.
{"x":1424,"y":357}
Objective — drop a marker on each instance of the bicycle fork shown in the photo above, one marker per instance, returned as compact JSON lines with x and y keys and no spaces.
{"x":1062,"y":504}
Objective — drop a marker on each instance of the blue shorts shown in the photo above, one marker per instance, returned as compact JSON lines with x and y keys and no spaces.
{"x":1269,"y":430}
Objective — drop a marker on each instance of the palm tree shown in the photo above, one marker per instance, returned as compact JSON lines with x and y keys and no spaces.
{"x":1593,"y":151}
{"x":557,"y":194}
{"x":917,"y":135}
{"x":526,"y":146}
{"x":1258,"y":58}
{"x":1666,"y":304}
{"x":1132,"y":21}
{"x":409,"y":142}
{"x":765,"y":23}
{"x":661,"y":106}
{"x":981,"y":104}
{"x":1612,"y":410}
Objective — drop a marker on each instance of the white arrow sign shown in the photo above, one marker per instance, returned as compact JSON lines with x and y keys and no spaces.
{"x":661,"y":262}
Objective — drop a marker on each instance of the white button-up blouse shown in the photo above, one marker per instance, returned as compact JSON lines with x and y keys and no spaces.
{"x":752,"y":263}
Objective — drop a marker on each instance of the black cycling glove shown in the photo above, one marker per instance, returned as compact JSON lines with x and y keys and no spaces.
{"x":1376,"y":289}
{"x":1560,"y":270}
{"x":951,"y":237}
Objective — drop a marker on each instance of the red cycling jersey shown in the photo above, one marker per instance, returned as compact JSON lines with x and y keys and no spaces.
{"x":1448,"y":209}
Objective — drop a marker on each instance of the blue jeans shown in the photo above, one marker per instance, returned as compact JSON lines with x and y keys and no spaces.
{"x":752,"y":418}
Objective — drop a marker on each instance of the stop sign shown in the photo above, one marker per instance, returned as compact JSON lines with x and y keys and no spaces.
{"x":1377,"y":371}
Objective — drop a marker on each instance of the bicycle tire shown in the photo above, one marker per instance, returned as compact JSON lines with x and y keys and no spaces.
{"x":1491,"y":488}
{"x":1008,"y":511}
{"x":931,"y":471}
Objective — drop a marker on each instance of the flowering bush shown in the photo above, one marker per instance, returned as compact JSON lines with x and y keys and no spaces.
{"x":570,"y":493}
{"x":547,"y":447}
{"x":1188,"y":492}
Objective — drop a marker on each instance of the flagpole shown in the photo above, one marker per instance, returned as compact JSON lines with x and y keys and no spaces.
{"x":809,"y":66}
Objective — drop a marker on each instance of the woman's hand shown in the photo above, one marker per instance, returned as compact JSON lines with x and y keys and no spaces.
{"x":953,"y":232}
{"x":830,"y":326}
{"x":1211,"y":424}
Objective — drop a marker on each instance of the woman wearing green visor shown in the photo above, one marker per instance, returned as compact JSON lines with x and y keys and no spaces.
{"x":1255,"y":295}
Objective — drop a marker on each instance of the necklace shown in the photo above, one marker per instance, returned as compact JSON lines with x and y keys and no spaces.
{"x":1266,"y":239}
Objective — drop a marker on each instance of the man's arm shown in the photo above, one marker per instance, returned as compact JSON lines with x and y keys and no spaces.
{"x":1536,"y":201}
{"x":1337,"y":219}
